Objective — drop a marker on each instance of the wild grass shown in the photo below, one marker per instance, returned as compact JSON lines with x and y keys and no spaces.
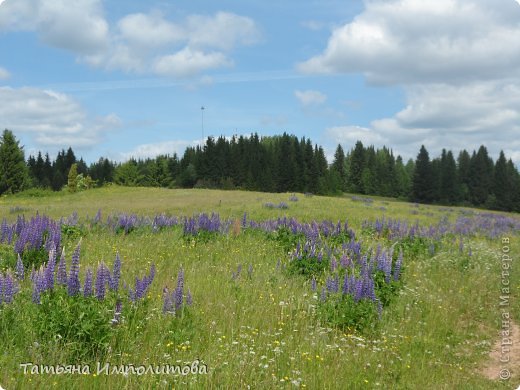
{"x":260,"y":329}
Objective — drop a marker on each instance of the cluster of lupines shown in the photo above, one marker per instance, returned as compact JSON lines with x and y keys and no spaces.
{"x":396,"y":229}
{"x":142,"y":285}
{"x":52,"y":274}
{"x":205,"y":222}
{"x":8,"y":287}
{"x":311,"y":230}
{"x":38,"y":232}
{"x":174,"y":301}
{"x":293,"y":198}
{"x":355,"y":276}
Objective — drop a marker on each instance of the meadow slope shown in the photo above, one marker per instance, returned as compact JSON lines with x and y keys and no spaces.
{"x":253,"y":323}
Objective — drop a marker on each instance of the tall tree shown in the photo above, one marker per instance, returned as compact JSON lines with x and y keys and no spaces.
{"x":480,"y":178}
{"x":503,"y":184}
{"x":338,"y":166}
{"x":357,"y":164}
{"x":449,"y":191}
{"x":422,"y":189}
{"x":13,"y":170}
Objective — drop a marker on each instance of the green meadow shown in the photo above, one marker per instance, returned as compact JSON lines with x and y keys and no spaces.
{"x":260,"y":327}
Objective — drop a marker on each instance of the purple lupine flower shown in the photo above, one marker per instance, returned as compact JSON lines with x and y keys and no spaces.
{"x":116,"y":274}
{"x":250,"y":271}
{"x":73,"y":284}
{"x":397,"y":266}
{"x":1,"y":288}
{"x":101,"y":281}
{"x":179,"y":291}
{"x":9,"y":288}
{"x":19,"y":272}
{"x":87,"y":287}
{"x":61,"y":277}
{"x":333,"y":264}
{"x":117,"y":312}
{"x":36,"y":290}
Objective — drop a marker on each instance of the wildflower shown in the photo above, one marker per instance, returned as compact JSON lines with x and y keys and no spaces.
{"x":87,"y":287}
{"x":73,"y":284}
{"x":116,"y":274}
{"x":101,"y":280}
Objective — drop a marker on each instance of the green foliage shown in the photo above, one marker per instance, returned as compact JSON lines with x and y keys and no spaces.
{"x":342,"y":312}
{"x":13,"y":171}
{"x":308,"y":266}
{"x":386,"y":292}
{"x":34,"y":258}
{"x":81,"y":325}
{"x":72,"y":183}
{"x":7,"y":257}
{"x":72,"y":232}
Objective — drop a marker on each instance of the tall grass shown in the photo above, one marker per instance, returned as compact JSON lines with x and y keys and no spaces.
{"x":261,"y":327}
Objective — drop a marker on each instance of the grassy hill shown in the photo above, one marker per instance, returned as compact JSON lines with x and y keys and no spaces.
{"x":253,"y":321}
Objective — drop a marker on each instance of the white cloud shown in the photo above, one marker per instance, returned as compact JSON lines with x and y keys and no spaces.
{"x":4,"y":74}
{"x":188,"y":62}
{"x":137,"y":43}
{"x":146,"y":31}
{"x":310,"y":97}
{"x":154,"y":149}
{"x":222,"y":31}
{"x":348,"y":135}
{"x":79,"y":27}
{"x":456,"y":61}
{"x":51,"y":118}
{"x":409,"y":41}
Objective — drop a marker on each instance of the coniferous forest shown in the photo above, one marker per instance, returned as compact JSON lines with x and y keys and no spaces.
{"x":282,"y":163}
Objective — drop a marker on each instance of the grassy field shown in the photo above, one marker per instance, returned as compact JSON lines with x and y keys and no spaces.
{"x":261,"y":329}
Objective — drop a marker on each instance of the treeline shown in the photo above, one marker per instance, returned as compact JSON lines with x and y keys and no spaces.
{"x":282,"y":163}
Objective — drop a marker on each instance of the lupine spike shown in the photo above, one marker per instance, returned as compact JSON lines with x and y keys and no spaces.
{"x":73,"y":284}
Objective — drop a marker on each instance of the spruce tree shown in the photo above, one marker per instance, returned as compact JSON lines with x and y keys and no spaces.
{"x":422,"y":189}
{"x":356,"y":166}
{"x":502,"y":184}
{"x":338,"y":167}
{"x":13,"y":170}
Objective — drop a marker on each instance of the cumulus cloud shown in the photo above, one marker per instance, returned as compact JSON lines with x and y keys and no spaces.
{"x":310,"y":97}
{"x":4,"y":74}
{"x":80,"y":27}
{"x":137,"y":43}
{"x":408,"y":41}
{"x":52,"y":119}
{"x":456,"y":61}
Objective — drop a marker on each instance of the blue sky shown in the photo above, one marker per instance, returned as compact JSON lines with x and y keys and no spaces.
{"x":128,"y":78}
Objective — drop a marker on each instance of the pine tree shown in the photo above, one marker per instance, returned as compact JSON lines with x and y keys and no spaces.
{"x":338,"y":168}
{"x":449,"y":191}
{"x":13,"y":170}
{"x":422,"y":189}
{"x":480,"y":178}
{"x":503,"y":183}
{"x":356,"y":166}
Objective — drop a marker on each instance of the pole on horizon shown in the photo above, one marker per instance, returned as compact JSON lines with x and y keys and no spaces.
{"x":202,"y":108}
